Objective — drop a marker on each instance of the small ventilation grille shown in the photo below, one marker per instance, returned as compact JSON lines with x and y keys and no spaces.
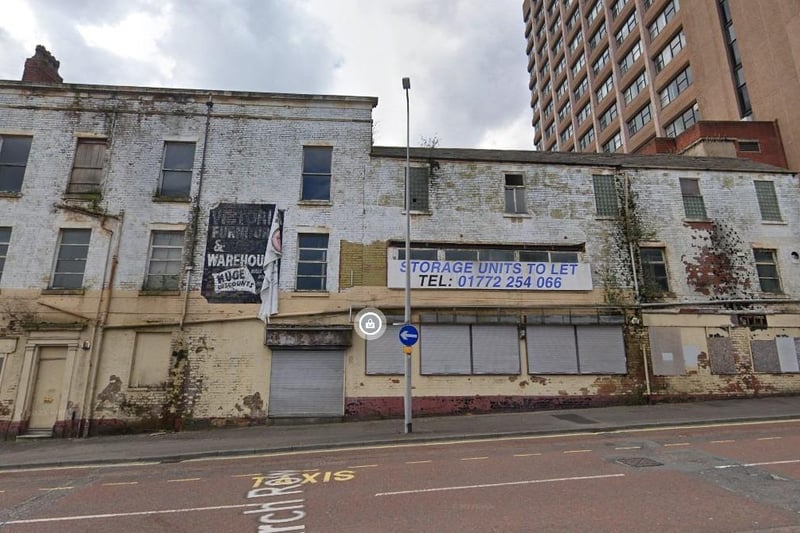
{"x":749,"y":146}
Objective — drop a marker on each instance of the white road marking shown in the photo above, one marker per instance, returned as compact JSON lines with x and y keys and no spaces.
{"x":77,"y":467}
{"x":184,"y":479}
{"x":507,"y":484}
{"x":791,"y":461}
{"x":361,"y":466}
{"x":526,"y":454}
{"x":417,"y":462}
{"x":473,"y":458}
{"x":677,"y":444}
{"x":246,"y":475}
{"x":576,"y":451}
{"x":769,"y":438}
{"x":722,"y":441}
{"x":58,"y":488}
{"x":120,"y":483}
{"x":628,"y":448}
{"x":119,"y":515}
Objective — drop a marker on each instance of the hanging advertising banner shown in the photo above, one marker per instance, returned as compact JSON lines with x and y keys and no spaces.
{"x":238,"y":242}
{"x":492,"y":275}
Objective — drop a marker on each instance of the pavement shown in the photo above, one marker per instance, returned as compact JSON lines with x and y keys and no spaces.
{"x":173,"y":447}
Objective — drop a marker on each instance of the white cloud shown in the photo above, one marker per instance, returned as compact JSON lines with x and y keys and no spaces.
{"x":19,"y":22}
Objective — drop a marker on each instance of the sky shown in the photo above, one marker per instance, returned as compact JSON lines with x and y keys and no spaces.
{"x":466,"y":58}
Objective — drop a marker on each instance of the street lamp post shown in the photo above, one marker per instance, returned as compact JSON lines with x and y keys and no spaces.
{"x":407,"y":314}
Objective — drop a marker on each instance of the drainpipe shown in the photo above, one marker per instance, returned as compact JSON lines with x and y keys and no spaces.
{"x":101,"y":316}
{"x":196,"y":214}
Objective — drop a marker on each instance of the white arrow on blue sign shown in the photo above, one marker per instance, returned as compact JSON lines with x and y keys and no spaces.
{"x":408,"y":335}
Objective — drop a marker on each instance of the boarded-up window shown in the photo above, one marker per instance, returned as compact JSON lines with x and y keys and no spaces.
{"x":776,"y":356}
{"x":720,"y":351}
{"x":575,"y":350}
{"x":87,"y":170}
{"x":419,"y":189}
{"x":666,"y":351}
{"x":150,"y":360}
{"x":470,"y":349}
{"x":385,"y":354}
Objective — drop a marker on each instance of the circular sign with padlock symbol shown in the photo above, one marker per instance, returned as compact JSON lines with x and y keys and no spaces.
{"x":370,"y":324}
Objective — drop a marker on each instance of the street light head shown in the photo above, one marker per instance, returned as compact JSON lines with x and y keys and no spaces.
{"x":406,"y":83}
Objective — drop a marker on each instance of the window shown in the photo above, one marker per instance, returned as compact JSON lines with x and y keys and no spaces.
{"x":605,"y":195}
{"x":616,"y":7}
{"x":566,"y":135}
{"x":631,"y":57}
{"x":749,"y":146}
{"x":654,"y":270}
{"x":560,"y":67}
{"x":583,"y":114}
{"x":316,"y":173}
{"x":692,"y":199}
{"x":165,"y":261}
{"x":670,"y":51}
{"x":575,"y":42}
{"x":564,"y":112}
{"x":5,"y":239}
{"x":582,"y":87}
{"x":767,"y":200}
{"x":14,"y":151}
{"x":639,"y":119}
{"x":613,"y":144}
{"x":469,"y":349}
{"x":569,"y":349}
{"x":608,"y":117}
{"x":686,"y":119}
{"x":151,"y":355}
{"x":601,"y":62}
{"x":176,"y":171}
{"x":312,"y":262}
{"x":73,"y":249}
{"x":418,"y":189}
{"x":636,"y":86}
{"x":587,"y":139}
{"x":544,"y":256}
{"x":663,"y":18}
{"x":548,"y":109}
{"x":551,"y":130}
{"x":595,"y":10}
{"x":419,"y":254}
{"x":627,"y":28}
{"x":515,"y":194}
{"x":562,"y":89}
{"x":578,"y":66}
{"x":573,"y":18}
{"x":605,"y":88}
{"x":87,"y":170}
{"x":597,"y":37}
{"x":767,"y":269}
{"x":742,"y":94}
{"x":675,"y":87}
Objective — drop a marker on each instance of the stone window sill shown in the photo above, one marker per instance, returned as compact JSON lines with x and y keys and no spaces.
{"x":159,"y":292}
{"x":172,"y":199}
{"x":10,"y":194}
{"x":63,"y":292}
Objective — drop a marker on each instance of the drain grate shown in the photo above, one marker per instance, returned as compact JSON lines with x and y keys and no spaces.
{"x":578,"y":419}
{"x":639,"y":462}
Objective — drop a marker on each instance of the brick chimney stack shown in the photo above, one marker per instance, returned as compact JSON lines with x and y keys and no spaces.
{"x":42,"y":67}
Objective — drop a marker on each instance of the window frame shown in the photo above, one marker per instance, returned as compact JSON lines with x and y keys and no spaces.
{"x":5,"y":244}
{"x":694,"y":207}
{"x":6,"y":165}
{"x":514,"y":193}
{"x":323,"y":176}
{"x":419,"y":190}
{"x":650,"y":278}
{"x":771,"y":264}
{"x":61,"y":252}
{"x":605,"y":189}
{"x":186,"y":174}
{"x":91,"y":172}
{"x":322,"y":286}
{"x":767,"y":198}
{"x":150,"y":277}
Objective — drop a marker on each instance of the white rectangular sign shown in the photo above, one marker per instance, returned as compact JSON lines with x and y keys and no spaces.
{"x":493,"y":275}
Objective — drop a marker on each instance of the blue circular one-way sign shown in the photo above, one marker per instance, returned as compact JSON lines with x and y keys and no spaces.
{"x":408,"y":335}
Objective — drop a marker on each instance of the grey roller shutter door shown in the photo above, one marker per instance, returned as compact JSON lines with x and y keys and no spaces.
{"x":445,"y":349}
{"x":551,"y":350}
{"x":787,"y":354}
{"x":601,"y":349}
{"x":495,"y":350}
{"x":385,"y":354}
{"x":306,"y":383}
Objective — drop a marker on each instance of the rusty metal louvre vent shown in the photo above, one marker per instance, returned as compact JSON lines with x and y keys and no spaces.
{"x":749,"y":146}
{"x":639,"y":462}
{"x":578,"y":419}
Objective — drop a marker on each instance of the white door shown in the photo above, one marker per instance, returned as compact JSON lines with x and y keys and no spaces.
{"x":47,"y":390}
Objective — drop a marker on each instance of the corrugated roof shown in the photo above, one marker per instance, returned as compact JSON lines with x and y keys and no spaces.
{"x":584,"y":159}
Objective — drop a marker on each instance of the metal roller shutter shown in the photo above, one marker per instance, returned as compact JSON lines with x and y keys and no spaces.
{"x":551,"y":350}
{"x":495,"y":350}
{"x":601,"y":349}
{"x":445,"y":349}
{"x":306,"y":383}
{"x":385,"y":355}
